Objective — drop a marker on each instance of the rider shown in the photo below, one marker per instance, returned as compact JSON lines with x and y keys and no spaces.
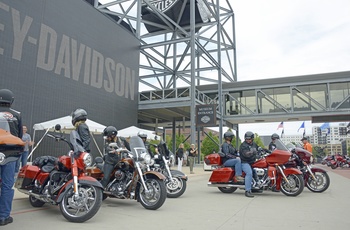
{"x":143,"y":136}
{"x":112,"y":157}
{"x":248,"y":152}
{"x":79,"y":117}
{"x":272,"y":145}
{"x":231,"y":158}
{"x":7,"y":171}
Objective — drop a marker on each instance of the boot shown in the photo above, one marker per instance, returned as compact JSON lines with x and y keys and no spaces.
{"x":249,"y":194}
{"x":239,"y":178}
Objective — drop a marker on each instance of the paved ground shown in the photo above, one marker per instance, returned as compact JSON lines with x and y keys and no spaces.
{"x":206,"y":208}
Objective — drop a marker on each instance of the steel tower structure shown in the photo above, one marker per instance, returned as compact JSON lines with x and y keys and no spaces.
{"x":181,"y":44}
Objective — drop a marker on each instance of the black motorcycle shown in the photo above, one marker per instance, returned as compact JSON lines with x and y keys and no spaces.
{"x":176,"y":181}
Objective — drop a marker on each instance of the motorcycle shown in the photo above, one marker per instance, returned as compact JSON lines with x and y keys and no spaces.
{"x":131,"y":177}
{"x":176,"y":181}
{"x":62,"y":181}
{"x":316,"y":179}
{"x":269,"y":172}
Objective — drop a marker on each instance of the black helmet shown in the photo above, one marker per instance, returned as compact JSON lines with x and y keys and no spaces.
{"x":6,"y":96}
{"x":142,"y":134}
{"x":275,"y":136}
{"x":228,"y":134}
{"x":249,"y":135}
{"x":110,"y":131}
{"x":79,"y":115}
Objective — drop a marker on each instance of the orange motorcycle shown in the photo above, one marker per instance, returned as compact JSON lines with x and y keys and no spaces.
{"x":62,"y":181}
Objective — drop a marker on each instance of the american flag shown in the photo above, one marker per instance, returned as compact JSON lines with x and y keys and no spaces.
{"x":280,"y":125}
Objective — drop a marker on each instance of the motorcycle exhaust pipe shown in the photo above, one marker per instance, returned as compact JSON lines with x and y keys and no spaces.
{"x":225,"y":185}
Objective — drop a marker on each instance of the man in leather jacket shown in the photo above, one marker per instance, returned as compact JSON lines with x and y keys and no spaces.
{"x":272,"y":144}
{"x":7,"y":170}
{"x":231,"y":158}
{"x":112,"y":156}
{"x":248,"y":153}
{"x":79,"y":117}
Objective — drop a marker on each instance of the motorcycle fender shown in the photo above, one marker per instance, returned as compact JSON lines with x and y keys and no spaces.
{"x":289,"y":171}
{"x":317,"y":170}
{"x":82,"y":180}
{"x":177,"y":173}
{"x":157,"y":174}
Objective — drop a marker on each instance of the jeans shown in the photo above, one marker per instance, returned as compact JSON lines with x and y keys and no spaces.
{"x":191,"y":161}
{"x":107,"y":170}
{"x":179,"y":163}
{"x":23,"y":160}
{"x":248,"y":176}
{"x":7,"y":173}
{"x":236,"y":163}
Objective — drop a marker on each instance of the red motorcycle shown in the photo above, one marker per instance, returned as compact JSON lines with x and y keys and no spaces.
{"x":316,"y":179}
{"x":62,"y":181}
{"x":269,"y":172}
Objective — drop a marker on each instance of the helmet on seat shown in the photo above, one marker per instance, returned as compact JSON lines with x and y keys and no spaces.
{"x":142,"y":134}
{"x":249,"y":135}
{"x":228,"y":135}
{"x":275,"y":136}
{"x":78,"y":115}
{"x":6,"y":96}
{"x":110,"y":131}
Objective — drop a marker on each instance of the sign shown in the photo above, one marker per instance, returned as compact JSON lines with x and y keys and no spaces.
{"x":206,"y":115}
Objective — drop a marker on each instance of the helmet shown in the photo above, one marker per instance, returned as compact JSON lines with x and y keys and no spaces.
{"x":142,"y":134}
{"x":275,"y":136}
{"x":228,"y":134}
{"x":6,"y":96}
{"x":249,"y":135}
{"x":110,"y":131}
{"x":79,"y":115}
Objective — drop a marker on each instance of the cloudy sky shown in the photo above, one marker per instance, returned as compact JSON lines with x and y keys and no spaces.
{"x":285,"y":38}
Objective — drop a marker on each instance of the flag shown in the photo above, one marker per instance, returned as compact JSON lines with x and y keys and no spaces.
{"x":302,"y":126}
{"x":324,"y":126}
{"x":304,"y":133}
{"x":282,"y":133}
{"x":280,"y":126}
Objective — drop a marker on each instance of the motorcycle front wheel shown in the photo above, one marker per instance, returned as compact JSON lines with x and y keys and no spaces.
{"x":321,"y":183}
{"x":81,"y":208}
{"x":176,"y":187}
{"x":294,"y":186}
{"x":155,"y":195}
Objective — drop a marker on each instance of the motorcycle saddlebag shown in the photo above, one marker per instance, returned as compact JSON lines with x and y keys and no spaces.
{"x":213,"y":159}
{"x":26,"y":175}
{"x":222,"y":175}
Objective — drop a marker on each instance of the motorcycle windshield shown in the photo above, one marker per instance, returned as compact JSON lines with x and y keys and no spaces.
{"x":137,"y":147}
{"x":281,"y":146}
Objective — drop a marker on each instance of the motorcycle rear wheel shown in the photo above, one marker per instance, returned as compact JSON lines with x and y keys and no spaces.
{"x":156,"y":195}
{"x":295,"y":185}
{"x":321,"y":184}
{"x":176,"y":188}
{"x":227,"y":189}
{"x":84,"y":207}
{"x":35,"y":202}
{"x":334,"y":166}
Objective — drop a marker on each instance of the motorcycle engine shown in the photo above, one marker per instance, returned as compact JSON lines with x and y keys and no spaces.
{"x":260,"y":172}
{"x":119,"y":175}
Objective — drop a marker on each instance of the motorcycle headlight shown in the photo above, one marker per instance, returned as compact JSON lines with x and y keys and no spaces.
{"x":87,"y":159}
{"x":147,"y":158}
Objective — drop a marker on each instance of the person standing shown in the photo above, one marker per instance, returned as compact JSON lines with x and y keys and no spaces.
{"x":7,"y":170}
{"x":307,"y":146}
{"x":192,"y":153}
{"x":22,"y":161}
{"x":180,"y":156}
{"x":248,"y":152}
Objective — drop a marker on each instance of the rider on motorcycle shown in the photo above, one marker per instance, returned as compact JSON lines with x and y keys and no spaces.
{"x":248,"y":153}
{"x":143,"y":136}
{"x":231,"y":158}
{"x":112,"y":157}
{"x":272,"y":145}
{"x":79,"y":117}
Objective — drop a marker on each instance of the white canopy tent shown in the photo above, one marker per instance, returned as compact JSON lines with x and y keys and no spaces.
{"x":66,"y":126}
{"x":133,"y":131}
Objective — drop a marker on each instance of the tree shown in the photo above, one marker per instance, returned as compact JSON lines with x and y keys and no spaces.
{"x":208,"y":146}
{"x":258,"y":141}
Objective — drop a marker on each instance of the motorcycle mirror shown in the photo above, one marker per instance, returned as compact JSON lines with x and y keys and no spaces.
{"x":58,"y":127}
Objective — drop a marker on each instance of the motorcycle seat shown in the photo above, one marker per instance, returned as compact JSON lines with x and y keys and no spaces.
{"x":47,"y":168}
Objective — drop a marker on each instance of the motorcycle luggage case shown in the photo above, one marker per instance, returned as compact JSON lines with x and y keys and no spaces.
{"x":26,"y":175}
{"x":213,"y":159}
{"x":94,"y":172}
{"x":222,"y":175}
